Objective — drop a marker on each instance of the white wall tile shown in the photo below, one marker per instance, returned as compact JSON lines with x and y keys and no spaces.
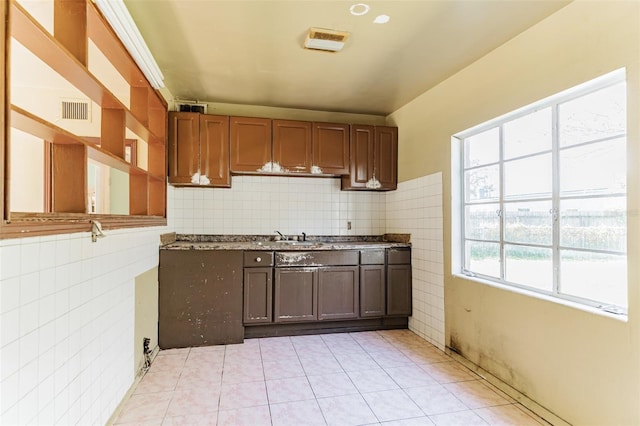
{"x":29,"y":258}
{"x":9,"y":293}
{"x":29,"y":317}
{"x":416,"y":208}
{"x":260,"y":205}
{"x":9,"y":260}
{"x":10,"y":362}
{"x":9,"y":327}
{"x":67,"y":319}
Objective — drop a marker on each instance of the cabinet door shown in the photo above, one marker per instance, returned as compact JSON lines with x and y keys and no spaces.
{"x":250,"y":143}
{"x":361,"y":162}
{"x":331,"y":148}
{"x":296,"y":295}
{"x":184,"y":146}
{"x":338,"y":295}
{"x":292,"y":145}
{"x":386,"y":157}
{"x":258,"y":295}
{"x":200,"y":298}
{"x":372,"y":291}
{"x":399,"y":290}
{"x":214,"y":149}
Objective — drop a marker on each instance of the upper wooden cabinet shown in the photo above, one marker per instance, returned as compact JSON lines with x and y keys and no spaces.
{"x":199,"y":149}
{"x":385,"y":157}
{"x":292,"y":145}
{"x":250,"y":143}
{"x":287,"y":146}
{"x":361,"y":165}
{"x":214,"y":149}
{"x":374,"y":159}
{"x":331,"y":148}
{"x":365,"y":156}
{"x":316,"y":148}
{"x":184,"y":146}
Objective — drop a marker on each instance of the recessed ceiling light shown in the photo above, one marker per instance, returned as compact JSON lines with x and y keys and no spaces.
{"x":359,"y":9}
{"x":381,"y":19}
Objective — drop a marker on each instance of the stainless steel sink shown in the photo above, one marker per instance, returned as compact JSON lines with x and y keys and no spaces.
{"x":296,"y":243}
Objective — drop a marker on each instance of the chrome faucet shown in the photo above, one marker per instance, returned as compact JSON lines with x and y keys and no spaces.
{"x":304,"y":236}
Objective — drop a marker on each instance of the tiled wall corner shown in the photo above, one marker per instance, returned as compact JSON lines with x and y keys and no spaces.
{"x":262,"y":204}
{"x":67,"y":318}
{"x":416,"y":208}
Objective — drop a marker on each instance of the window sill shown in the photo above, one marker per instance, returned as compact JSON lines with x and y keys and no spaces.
{"x":544,"y":297}
{"x":24,"y":225}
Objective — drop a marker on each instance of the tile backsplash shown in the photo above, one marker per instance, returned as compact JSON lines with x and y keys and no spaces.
{"x":262,"y":204}
{"x":416,"y":208}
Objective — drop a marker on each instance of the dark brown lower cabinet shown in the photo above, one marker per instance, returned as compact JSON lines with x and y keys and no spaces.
{"x":399,"y":290}
{"x":258,"y":292}
{"x":200,"y":298}
{"x":372,"y":291}
{"x":338,"y":295}
{"x":296,"y":295}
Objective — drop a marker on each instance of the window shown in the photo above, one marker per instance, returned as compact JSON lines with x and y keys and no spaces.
{"x":543,"y":202}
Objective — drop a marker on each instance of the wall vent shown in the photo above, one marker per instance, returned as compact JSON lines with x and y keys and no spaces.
{"x":191,"y":106}
{"x":325,"y":39}
{"x":74,"y":109}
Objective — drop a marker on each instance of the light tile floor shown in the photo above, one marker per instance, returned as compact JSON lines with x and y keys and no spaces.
{"x":369,"y":378}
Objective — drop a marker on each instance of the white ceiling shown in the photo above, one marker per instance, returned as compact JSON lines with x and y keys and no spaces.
{"x":250,"y":52}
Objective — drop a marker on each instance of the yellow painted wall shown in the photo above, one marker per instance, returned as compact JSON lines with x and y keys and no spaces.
{"x":583,"y":366}
{"x":146,"y":315}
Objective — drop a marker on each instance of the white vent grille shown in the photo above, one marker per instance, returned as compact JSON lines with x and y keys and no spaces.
{"x":325,"y":39}
{"x":329,"y":35}
{"x":75,"y":110}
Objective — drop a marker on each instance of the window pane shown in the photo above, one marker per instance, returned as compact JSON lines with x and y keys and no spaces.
{"x":594,"y":169}
{"x":594,"y":116}
{"x":594,"y":276}
{"x":482,"y":222}
{"x":482,"y":148}
{"x":528,"y":134}
{"x":596,"y":223}
{"x":481,"y":184}
{"x":528,"y":178}
{"x":483,"y":258}
{"x":530,"y":266}
{"x":528,"y":222}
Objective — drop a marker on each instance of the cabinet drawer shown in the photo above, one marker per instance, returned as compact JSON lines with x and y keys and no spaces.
{"x":372,"y":257}
{"x":317,"y":258}
{"x":399,"y":256}
{"x":258,"y":258}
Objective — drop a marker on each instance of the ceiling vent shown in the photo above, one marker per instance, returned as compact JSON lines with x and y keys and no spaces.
{"x":191,"y":106}
{"x":325,"y":40}
{"x":75,"y":109}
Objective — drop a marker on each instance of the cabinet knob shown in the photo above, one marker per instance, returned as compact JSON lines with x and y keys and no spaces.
{"x":258,"y":259}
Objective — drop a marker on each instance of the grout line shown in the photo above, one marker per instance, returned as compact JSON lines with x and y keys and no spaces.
{"x":396,"y":344}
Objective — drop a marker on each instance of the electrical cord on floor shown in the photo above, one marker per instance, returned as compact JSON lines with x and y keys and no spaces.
{"x":147,"y":354}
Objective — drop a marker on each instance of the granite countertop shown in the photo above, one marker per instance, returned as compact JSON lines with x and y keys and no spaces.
{"x":266,"y":243}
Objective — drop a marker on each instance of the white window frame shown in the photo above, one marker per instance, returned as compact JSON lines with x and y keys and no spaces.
{"x":459,"y":202}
